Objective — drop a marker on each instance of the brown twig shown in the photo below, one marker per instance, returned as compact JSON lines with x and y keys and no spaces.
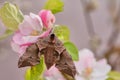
{"x":89,"y":22}
{"x":90,"y":27}
{"x":115,"y":34}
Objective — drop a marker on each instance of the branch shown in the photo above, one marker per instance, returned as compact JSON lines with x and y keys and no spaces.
{"x":94,"y":40}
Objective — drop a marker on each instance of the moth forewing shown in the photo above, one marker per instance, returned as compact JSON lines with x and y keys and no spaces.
{"x":30,"y":57}
{"x":65,"y":64}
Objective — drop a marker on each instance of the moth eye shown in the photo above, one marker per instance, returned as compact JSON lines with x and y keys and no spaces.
{"x":65,"y":63}
{"x":31,"y":57}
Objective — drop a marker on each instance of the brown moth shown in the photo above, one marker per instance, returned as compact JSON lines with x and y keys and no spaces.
{"x":54,"y":53}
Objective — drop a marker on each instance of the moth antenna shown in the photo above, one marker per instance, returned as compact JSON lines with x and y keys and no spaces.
{"x":52,"y":37}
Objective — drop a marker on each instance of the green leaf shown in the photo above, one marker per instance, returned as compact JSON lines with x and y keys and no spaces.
{"x":6,"y":34}
{"x":54,"y":5}
{"x":36,"y":72}
{"x":28,"y":74}
{"x":113,"y":75}
{"x":62,"y":32}
{"x":110,"y":79}
{"x":11,"y":16}
{"x":73,"y":51}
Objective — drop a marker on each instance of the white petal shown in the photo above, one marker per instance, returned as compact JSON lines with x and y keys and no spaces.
{"x":34,"y":16}
{"x":79,"y":67}
{"x":30,"y":23}
{"x":26,"y":27}
{"x":30,"y":39}
{"x":54,"y":74}
{"x":15,"y":47}
{"x":86,"y":53}
{"x":36,"y":20}
{"x":99,"y":78}
{"x":77,"y":77}
{"x":86,"y":58}
{"x":101,"y":69}
{"x":18,"y":49}
{"x":17,"y":38}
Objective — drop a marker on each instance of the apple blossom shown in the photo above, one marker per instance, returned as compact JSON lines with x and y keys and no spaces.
{"x":47,"y":18}
{"x":29,"y":31}
{"x":90,"y":69}
{"x":31,"y":24}
{"x":53,"y":74}
{"x":87,"y":68}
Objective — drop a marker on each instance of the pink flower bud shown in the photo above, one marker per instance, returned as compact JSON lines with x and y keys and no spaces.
{"x":48,"y":19}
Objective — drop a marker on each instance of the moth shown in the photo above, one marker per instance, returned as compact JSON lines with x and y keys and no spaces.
{"x":54,"y":54}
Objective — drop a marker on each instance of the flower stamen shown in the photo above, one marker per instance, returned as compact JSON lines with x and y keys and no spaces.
{"x":34,"y":33}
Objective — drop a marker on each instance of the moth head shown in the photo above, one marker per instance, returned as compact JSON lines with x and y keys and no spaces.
{"x":52,"y":38}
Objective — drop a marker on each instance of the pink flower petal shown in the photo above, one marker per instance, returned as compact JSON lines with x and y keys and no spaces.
{"x":23,"y":38}
{"x":22,"y":50}
{"x":47,"y":17}
{"x":102,"y":61}
{"x":15,"y":47}
{"x":53,"y":69}
{"x":18,"y":49}
{"x":46,"y":33}
{"x":86,"y":59}
{"x":26,"y":27}
{"x":21,"y":42}
{"x":30,"y":39}
{"x":99,"y":69}
{"x":37,"y":21}
{"x":54,"y":74}
{"x":43,"y":14}
{"x":77,"y":77}
{"x":30,"y":23}
{"x":17,"y":38}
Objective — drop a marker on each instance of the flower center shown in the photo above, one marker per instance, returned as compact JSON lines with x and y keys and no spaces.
{"x":88,"y":71}
{"x":34,"y":33}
